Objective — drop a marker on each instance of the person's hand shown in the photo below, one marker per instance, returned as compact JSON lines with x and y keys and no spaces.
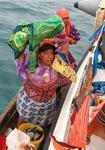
{"x":65,"y":49}
{"x":71,"y":40}
{"x":93,"y":113}
{"x":26,"y":146}
{"x":96,"y":109}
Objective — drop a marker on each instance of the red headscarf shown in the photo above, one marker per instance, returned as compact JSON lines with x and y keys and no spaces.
{"x":63,"y":13}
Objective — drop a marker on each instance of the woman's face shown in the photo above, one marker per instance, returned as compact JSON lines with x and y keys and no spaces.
{"x":46,"y":58}
{"x":66,"y":20}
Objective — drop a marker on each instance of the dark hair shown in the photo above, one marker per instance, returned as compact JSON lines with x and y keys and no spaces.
{"x":45,"y":47}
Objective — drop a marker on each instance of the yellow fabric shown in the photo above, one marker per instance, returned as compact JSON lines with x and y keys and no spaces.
{"x":62,"y":67}
{"x":102,"y":4}
{"x":100,"y":15}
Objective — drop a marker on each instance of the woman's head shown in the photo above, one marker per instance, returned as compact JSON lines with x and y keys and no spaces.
{"x":64,"y":14}
{"x":46,"y":54}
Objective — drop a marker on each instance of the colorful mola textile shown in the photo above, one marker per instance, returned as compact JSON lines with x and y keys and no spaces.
{"x":32,"y":34}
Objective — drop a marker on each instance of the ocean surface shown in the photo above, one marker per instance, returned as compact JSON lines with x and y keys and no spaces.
{"x":14,"y":11}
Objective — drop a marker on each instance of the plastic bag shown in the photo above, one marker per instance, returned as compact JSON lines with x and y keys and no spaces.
{"x":15,"y":139}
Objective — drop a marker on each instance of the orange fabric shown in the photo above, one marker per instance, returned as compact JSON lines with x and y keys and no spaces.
{"x":78,"y":133}
{"x":68,"y":27}
{"x":57,"y":146}
{"x":51,"y":41}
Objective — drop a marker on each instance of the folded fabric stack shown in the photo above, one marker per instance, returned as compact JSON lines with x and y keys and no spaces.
{"x":32,"y":34}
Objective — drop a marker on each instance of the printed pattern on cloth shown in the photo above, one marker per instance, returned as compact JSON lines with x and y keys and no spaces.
{"x":101,"y":115}
{"x":40,"y":92}
{"x":40,"y":113}
{"x":32,"y":34}
{"x":44,"y":92}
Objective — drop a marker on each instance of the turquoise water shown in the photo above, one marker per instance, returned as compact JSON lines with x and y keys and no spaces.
{"x":11,"y":13}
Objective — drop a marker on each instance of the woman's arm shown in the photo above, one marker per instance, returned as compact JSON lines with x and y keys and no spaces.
{"x":22,"y":65}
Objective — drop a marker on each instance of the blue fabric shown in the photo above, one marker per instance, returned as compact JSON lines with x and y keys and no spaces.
{"x":95,"y":61}
{"x":99,"y":87}
{"x":98,"y":84}
{"x":96,"y":53}
{"x":101,"y":65}
{"x":64,"y":57}
{"x":91,"y":38}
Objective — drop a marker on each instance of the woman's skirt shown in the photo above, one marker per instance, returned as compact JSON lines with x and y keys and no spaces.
{"x":41,"y":113}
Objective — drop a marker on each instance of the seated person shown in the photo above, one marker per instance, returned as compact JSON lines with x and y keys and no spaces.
{"x":72,"y":33}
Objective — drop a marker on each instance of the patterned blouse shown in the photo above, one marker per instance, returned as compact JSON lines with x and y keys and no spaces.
{"x":40,"y":86}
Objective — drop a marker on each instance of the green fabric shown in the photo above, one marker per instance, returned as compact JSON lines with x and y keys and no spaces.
{"x":32,"y":34}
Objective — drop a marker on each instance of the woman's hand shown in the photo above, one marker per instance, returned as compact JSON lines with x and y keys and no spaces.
{"x":96,"y":109}
{"x":65,"y":49}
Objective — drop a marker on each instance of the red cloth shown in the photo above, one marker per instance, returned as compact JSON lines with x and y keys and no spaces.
{"x":2,"y":142}
{"x":73,"y":116}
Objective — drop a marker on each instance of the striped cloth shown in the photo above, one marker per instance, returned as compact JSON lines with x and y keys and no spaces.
{"x":101,"y":115}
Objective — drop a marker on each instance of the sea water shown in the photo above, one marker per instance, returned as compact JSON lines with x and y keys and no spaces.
{"x":14,"y":11}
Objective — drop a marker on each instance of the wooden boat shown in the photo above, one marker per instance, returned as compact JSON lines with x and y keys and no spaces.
{"x":61,"y":124}
{"x":8,"y":119}
{"x":61,"y":130}
{"x":61,"y":133}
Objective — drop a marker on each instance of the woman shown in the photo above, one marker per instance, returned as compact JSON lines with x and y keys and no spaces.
{"x":36,"y":100}
{"x":72,"y":33}
{"x":97,"y":125}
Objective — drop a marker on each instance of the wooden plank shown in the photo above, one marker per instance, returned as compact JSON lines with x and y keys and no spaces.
{"x":8,"y":113}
